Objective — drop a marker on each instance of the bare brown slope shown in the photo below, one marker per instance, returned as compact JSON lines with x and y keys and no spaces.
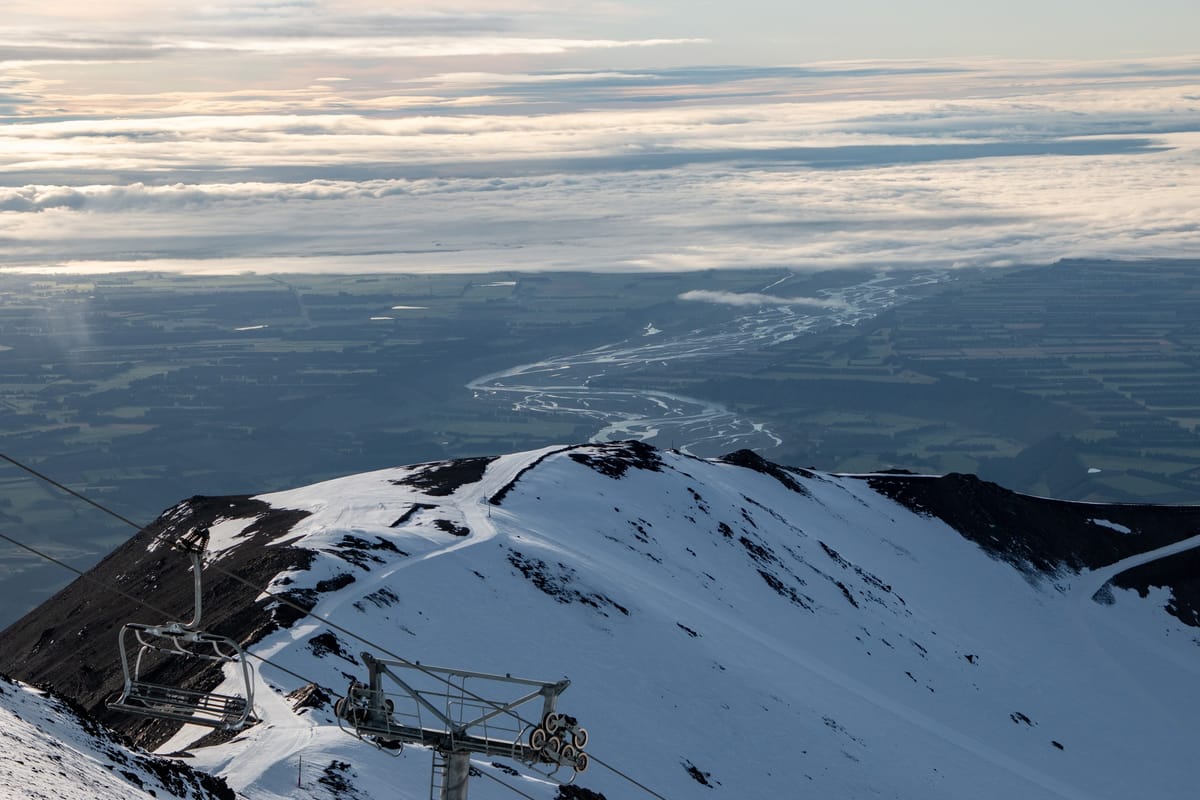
{"x":69,"y":643}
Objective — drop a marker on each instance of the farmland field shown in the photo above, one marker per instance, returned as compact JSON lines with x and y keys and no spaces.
{"x":1078,"y":380}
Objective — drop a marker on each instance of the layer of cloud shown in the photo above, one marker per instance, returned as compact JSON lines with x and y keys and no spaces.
{"x":360,"y":47}
{"x":901,"y":165}
{"x":282,"y":32}
{"x":754,"y":299}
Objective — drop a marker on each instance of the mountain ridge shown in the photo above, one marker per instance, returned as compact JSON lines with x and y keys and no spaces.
{"x":864,"y":633}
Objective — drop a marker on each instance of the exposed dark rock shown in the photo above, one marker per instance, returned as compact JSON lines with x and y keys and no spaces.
{"x":407,"y":515}
{"x":339,"y":581}
{"x":698,"y":775}
{"x":556,"y":581}
{"x":328,"y":642}
{"x":442,"y":478}
{"x":335,"y":776}
{"x":749,"y":518}
{"x":382,"y":598}
{"x":298,"y":603}
{"x":1033,"y":532}
{"x":359,"y":552}
{"x":1180,"y":573}
{"x":785,"y":591}
{"x":451,"y":528}
{"x":310,"y":696}
{"x":752,"y":460}
{"x":867,"y":577}
{"x":616,"y":458}
{"x":757,"y":551}
{"x":571,"y":791}
{"x":846,"y":593}
{"x":642,"y":534}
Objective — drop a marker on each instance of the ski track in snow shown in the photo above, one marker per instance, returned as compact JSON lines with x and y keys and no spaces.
{"x":473,"y":499}
{"x":574,"y":384}
{"x":1096,"y":579}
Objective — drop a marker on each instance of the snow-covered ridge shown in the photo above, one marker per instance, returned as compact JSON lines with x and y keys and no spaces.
{"x":730,"y":627}
{"x":53,"y":750}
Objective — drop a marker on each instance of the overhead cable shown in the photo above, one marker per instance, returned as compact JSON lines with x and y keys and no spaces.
{"x":296,"y":607}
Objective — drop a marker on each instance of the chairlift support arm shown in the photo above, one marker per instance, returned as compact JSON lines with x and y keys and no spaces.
{"x":451,"y":731}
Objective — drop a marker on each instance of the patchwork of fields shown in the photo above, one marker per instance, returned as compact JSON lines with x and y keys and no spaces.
{"x":1079,"y":380}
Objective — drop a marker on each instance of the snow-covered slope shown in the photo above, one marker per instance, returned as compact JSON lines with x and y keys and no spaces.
{"x":52,"y":751}
{"x":730,"y":629}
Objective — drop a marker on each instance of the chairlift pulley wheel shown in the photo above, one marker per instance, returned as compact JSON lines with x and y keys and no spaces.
{"x":552,"y":722}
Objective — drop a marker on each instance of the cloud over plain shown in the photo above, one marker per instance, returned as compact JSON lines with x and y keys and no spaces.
{"x":474,"y":140}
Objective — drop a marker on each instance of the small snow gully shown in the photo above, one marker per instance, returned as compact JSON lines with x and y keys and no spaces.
{"x":187,"y":647}
{"x":447,"y":710}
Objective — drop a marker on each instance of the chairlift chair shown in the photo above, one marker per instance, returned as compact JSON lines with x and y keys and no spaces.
{"x":183,"y":640}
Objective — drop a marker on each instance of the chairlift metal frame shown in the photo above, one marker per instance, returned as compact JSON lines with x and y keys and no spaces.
{"x":186,"y":639}
{"x":433,"y":707}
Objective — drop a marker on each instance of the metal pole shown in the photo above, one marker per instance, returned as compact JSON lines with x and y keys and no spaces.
{"x":458,"y":770}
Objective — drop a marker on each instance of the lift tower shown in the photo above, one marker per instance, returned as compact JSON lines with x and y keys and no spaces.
{"x":458,"y":713}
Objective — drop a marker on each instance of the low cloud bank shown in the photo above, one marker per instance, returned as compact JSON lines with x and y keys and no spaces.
{"x":756,"y":299}
{"x":674,"y":169}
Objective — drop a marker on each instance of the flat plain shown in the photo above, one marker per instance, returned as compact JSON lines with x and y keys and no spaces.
{"x":1079,"y":380}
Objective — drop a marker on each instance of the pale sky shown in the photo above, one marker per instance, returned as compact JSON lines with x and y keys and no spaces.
{"x":754,"y":32}
{"x":359,"y":136}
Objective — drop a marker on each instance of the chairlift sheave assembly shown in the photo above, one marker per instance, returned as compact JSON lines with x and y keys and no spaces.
{"x":458,"y":713}
{"x":187,"y":643}
{"x":559,"y":741}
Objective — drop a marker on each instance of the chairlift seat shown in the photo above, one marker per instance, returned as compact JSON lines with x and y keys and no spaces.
{"x":227,"y":712}
{"x":186,"y":643}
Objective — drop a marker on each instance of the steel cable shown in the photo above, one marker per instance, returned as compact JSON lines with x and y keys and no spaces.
{"x":296,"y":607}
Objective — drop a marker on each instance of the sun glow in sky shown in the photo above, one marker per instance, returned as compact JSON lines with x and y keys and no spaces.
{"x":287,"y":135}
